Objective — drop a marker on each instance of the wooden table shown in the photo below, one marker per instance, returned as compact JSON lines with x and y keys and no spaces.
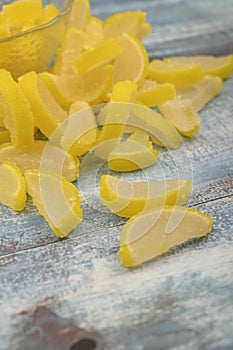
{"x":55,"y":293}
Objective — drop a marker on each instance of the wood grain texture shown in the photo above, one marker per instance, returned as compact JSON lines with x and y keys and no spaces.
{"x":183,"y":300}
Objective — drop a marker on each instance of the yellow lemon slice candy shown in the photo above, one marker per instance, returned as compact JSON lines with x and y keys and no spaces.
{"x":16,"y":112}
{"x":117,"y":113}
{"x":49,"y":13}
{"x":80,"y":14}
{"x":56,"y":199}
{"x":47,"y":113}
{"x":133,"y":154}
{"x":177,"y":73}
{"x":19,"y":12}
{"x":126,"y":22}
{"x":127,"y":199}
{"x":94,"y":33}
{"x":80,"y":87}
{"x":129,"y":129}
{"x":13,"y":188}
{"x":101,"y":54}
{"x":70,"y":50}
{"x":144,"y":31}
{"x":201,"y":93}
{"x":44,"y":155}
{"x":132,"y":64}
{"x":221,"y":66}
{"x":151,"y":94}
{"x":160,"y":129}
{"x":49,"y":80}
{"x":150,"y":234}
{"x":80,"y":130}
{"x":181,"y":114}
{"x":4,"y":31}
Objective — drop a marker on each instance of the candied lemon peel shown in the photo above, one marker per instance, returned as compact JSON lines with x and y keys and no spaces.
{"x":13,"y":187}
{"x":116,"y":118}
{"x":149,"y":234}
{"x":127,"y":22}
{"x":94,"y":33}
{"x":103,"y":53}
{"x":152,"y":94}
{"x":201,"y":93}
{"x":132,"y":64}
{"x":135,"y":153}
{"x":80,"y":87}
{"x":181,"y":114}
{"x":80,"y":130}
{"x":42,"y":155}
{"x":17,"y":115}
{"x":80,"y":14}
{"x":127,"y":199}
{"x":48,"y":115}
{"x":71,"y":48}
{"x":63,"y":214}
{"x":150,"y":121}
{"x":174,"y":72}
{"x":221,"y":66}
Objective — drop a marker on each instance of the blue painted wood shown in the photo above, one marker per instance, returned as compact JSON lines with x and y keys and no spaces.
{"x":182,"y":300}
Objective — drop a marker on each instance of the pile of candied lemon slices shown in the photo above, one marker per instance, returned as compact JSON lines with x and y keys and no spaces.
{"x":48,"y":120}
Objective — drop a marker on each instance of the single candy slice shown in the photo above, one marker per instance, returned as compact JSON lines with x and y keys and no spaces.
{"x":135,"y":153}
{"x":151,"y":94}
{"x":49,"y":80}
{"x":127,"y":199}
{"x":49,"y":13}
{"x":92,"y":87}
{"x":94,"y":33}
{"x":102,"y":54}
{"x":132,"y":64}
{"x":47,"y":113}
{"x":221,"y":66}
{"x":201,"y":93}
{"x":16,"y":112}
{"x":126,"y":22}
{"x":13,"y":188}
{"x":80,"y":130}
{"x":42,"y":155}
{"x":80,"y":14}
{"x":71,"y":49}
{"x":56,"y":199}
{"x":117,"y":113}
{"x":160,"y":129}
{"x":150,"y":234}
{"x":4,"y":30}
{"x":177,"y":73}
{"x":182,"y":115}
{"x":144,"y":31}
